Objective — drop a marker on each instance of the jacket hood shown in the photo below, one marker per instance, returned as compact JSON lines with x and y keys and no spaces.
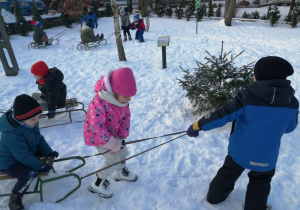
{"x":103,"y":83}
{"x":276,"y":92}
{"x":5,"y":125}
{"x":85,"y":29}
{"x":54,"y":74}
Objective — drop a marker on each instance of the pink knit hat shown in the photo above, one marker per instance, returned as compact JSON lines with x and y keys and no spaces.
{"x":122,"y":82}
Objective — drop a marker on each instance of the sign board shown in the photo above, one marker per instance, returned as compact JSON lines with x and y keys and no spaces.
{"x":197,"y":4}
{"x":163,"y":41}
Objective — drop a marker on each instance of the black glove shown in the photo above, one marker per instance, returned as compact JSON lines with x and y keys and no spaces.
{"x":122,"y":27}
{"x":123,"y":144}
{"x":45,"y":168}
{"x":53,"y":154}
{"x":193,"y":130}
{"x":51,"y":114}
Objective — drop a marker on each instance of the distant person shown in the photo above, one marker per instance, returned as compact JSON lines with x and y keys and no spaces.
{"x":125,"y":23}
{"x":39,"y":34}
{"x":20,"y":143}
{"x":261,"y":113}
{"x":138,"y":24}
{"x":87,"y":35}
{"x":50,"y":83}
{"x":90,"y":19}
{"x":107,"y":125}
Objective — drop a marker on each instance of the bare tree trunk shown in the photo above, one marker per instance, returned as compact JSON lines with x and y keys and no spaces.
{"x":115,"y":10}
{"x":210,"y":9}
{"x":230,"y":13}
{"x":145,"y":4}
{"x":291,"y":9}
{"x":226,"y":7}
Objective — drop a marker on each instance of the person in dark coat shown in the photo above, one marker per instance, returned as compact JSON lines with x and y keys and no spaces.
{"x":261,"y":113}
{"x":90,"y":19}
{"x":39,"y":34}
{"x":50,"y":83}
{"x":125,"y":23}
{"x":20,"y":143}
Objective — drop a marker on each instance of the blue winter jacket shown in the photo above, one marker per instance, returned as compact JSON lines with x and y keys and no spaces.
{"x":261,"y":114}
{"x":20,"y":144}
{"x":90,"y":19}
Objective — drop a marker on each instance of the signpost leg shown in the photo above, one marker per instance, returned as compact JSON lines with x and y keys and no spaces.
{"x":164,"y":57}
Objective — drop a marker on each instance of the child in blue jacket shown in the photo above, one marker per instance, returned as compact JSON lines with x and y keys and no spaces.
{"x":261,"y":113}
{"x":20,"y":143}
{"x":90,"y":19}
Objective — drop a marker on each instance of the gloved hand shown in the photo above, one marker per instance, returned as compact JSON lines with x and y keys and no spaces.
{"x":123,"y":27}
{"x":51,"y":114}
{"x":193,"y":130}
{"x":53,"y":154}
{"x":45,"y":168}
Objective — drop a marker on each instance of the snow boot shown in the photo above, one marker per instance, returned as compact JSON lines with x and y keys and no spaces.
{"x":101,"y":187}
{"x":101,"y":37}
{"x":15,"y":202}
{"x":124,"y":174}
{"x":125,"y":39}
{"x":47,"y":43}
{"x":129,"y":37}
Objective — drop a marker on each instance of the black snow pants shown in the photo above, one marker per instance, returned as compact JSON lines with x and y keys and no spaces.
{"x":258,"y":188}
{"x":24,"y":175}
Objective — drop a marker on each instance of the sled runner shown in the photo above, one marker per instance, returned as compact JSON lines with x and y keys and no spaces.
{"x":69,"y":107}
{"x":88,"y":45}
{"x":37,"y":45}
{"x":39,"y":183}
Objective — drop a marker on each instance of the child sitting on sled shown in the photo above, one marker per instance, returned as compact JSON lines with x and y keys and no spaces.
{"x":107,"y":125}
{"x":50,"y":83}
{"x":20,"y":143}
{"x":87,"y":34}
{"x":39,"y":34}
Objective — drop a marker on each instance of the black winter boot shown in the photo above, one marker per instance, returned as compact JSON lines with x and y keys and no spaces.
{"x":15,"y":202}
{"x":125,"y":39}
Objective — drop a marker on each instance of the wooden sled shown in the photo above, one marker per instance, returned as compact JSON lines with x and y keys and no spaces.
{"x":39,"y":183}
{"x":37,"y":45}
{"x":69,"y":107}
{"x":89,"y":45}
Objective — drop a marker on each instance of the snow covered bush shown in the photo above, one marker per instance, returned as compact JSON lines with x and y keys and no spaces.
{"x":189,"y":11}
{"x":169,"y":10}
{"x":179,"y":11}
{"x":273,"y":15}
{"x":215,"y":82}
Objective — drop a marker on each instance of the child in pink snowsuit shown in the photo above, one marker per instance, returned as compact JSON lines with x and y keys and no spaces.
{"x":107,"y":126}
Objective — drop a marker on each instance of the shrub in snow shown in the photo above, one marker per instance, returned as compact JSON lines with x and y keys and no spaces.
{"x":201,"y":12}
{"x":215,"y":82}
{"x":273,"y":14}
{"x":21,"y":23}
{"x":169,"y":11}
{"x":246,"y":15}
{"x":255,"y":15}
{"x":179,"y":11}
{"x":294,"y":16}
{"x":189,"y":11}
{"x":218,"y":11}
{"x":160,"y":10}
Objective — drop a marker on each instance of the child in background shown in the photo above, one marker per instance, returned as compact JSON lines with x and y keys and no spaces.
{"x":90,"y":18}
{"x":138,"y":24}
{"x":261,"y":114}
{"x":20,"y":142}
{"x":50,"y":83}
{"x":125,"y":23}
{"x":39,"y":34}
{"x":107,"y":125}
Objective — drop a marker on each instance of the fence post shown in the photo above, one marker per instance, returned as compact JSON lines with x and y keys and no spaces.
{"x":5,"y":44}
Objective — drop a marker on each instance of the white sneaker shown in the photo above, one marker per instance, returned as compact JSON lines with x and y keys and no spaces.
{"x":103,"y":189}
{"x":124,"y":174}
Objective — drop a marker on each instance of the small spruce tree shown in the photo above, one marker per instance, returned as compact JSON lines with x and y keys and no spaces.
{"x":36,"y":14}
{"x":169,"y":10}
{"x":246,"y":15}
{"x":273,"y":14}
{"x":189,"y":11}
{"x":215,"y":82}
{"x":218,"y":11}
{"x":179,"y":11}
{"x":255,"y":15}
{"x":21,"y":23}
{"x":108,"y":10}
{"x":294,"y":16}
{"x":160,"y":10}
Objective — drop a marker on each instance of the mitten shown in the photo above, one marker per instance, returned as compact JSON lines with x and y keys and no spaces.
{"x":51,"y":114}
{"x":122,"y":27}
{"x":193,"y":130}
{"x":45,"y":168}
{"x":53,"y":154}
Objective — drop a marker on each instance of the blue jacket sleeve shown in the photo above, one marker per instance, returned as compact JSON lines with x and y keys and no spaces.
{"x":293,"y":124}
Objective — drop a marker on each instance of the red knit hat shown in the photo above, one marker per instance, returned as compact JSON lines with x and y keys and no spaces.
{"x":40,"y":69}
{"x":25,"y":107}
{"x":122,"y":82}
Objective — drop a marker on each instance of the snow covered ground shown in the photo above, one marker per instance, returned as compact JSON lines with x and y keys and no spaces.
{"x":175,"y":175}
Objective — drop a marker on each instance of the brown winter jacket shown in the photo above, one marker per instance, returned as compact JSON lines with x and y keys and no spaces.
{"x":87,"y":34}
